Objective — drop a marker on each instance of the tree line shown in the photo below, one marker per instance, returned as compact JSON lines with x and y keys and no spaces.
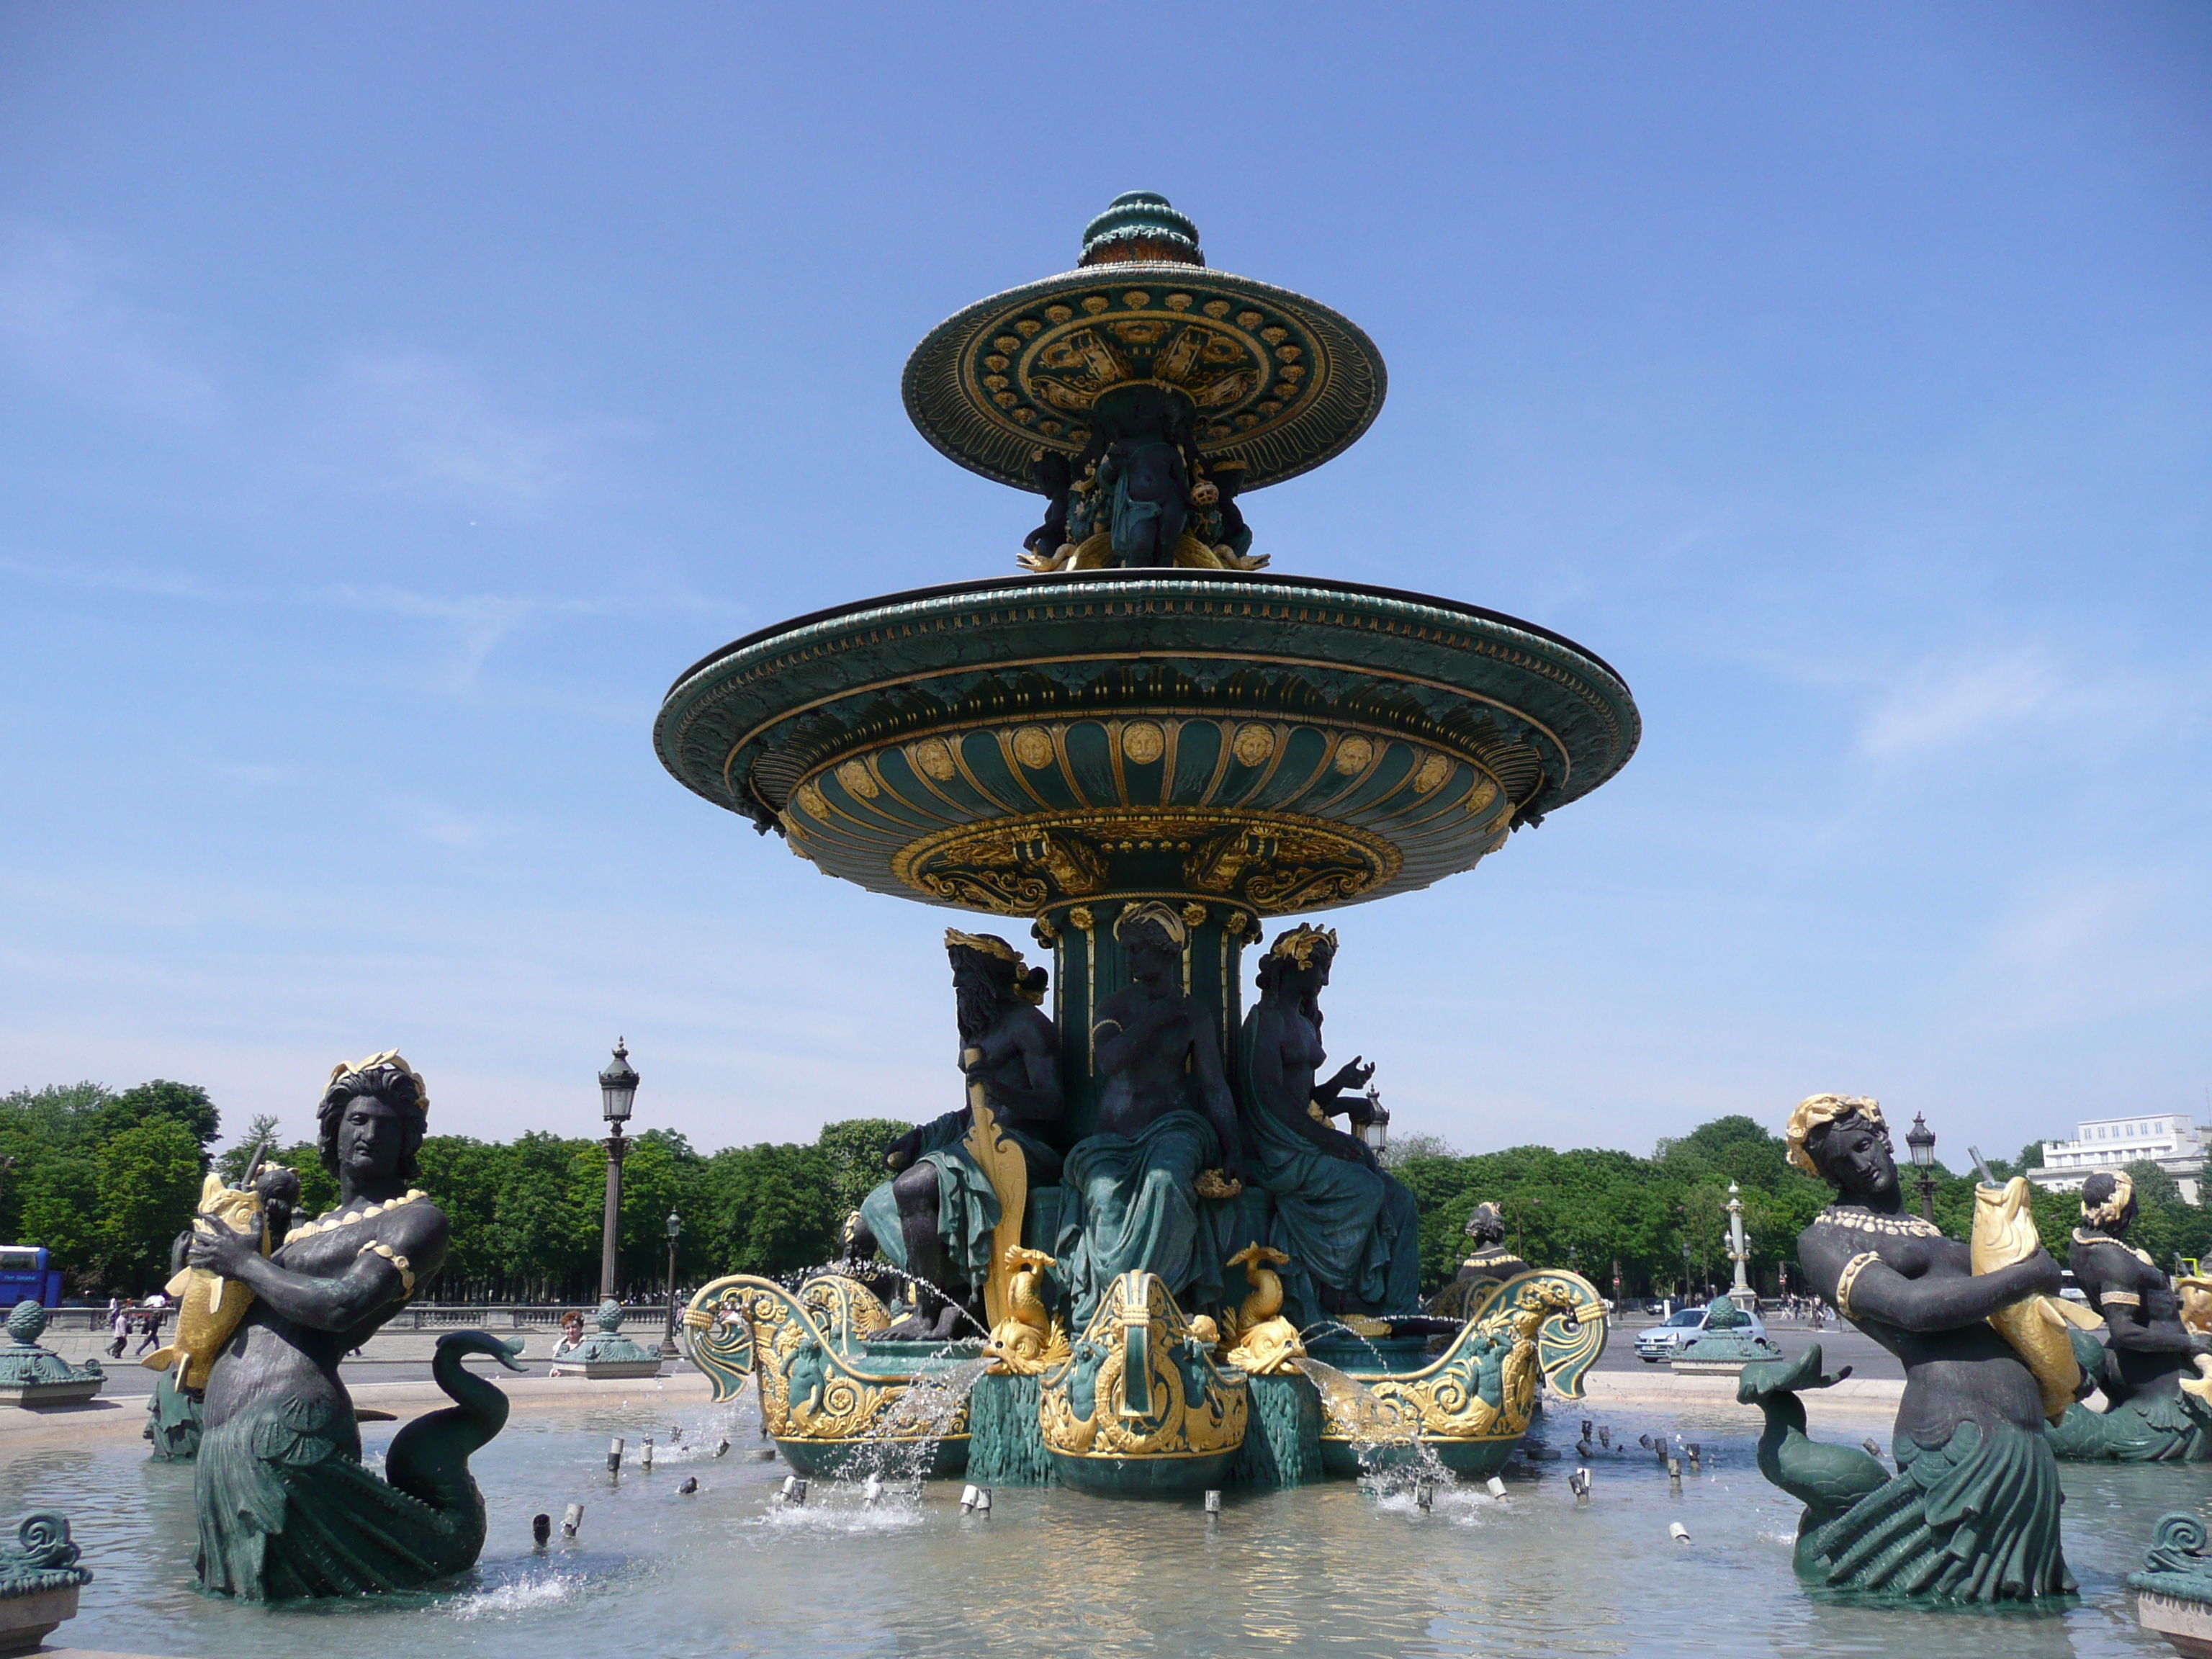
{"x":1661,"y":1221}
{"x":106,"y":1181}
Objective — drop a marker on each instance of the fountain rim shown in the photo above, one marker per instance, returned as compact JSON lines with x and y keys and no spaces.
{"x":1048,"y":579}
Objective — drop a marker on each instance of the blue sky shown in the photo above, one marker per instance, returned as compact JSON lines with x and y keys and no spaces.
{"x":392,"y":400}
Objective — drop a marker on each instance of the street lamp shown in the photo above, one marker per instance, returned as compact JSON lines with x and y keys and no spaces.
{"x":617,"y":1089}
{"x":1922,"y":1139}
{"x":668,"y":1341}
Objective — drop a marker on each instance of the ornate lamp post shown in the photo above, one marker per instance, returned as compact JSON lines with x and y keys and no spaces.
{"x":1922,"y":1139}
{"x":668,"y":1340}
{"x":617,"y":1089}
{"x":1739,"y":1250}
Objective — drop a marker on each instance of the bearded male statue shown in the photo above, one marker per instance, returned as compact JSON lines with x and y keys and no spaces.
{"x":933,"y":1219}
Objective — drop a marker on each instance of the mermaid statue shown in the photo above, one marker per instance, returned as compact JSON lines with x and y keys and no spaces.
{"x":2156,"y":1408}
{"x":1349,"y":1230}
{"x":1971,"y":1514}
{"x":285,"y":1507}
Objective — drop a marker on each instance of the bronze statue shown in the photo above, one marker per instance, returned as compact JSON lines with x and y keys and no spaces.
{"x":1350,"y":1230}
{"x":935,"y":1218}
{"x":1490,"y":1259}
{"x":2157,"y":1408}
{"x":1148,"y":1190}
{"x":285,"y":1507}
{"x":1971,"y":1514}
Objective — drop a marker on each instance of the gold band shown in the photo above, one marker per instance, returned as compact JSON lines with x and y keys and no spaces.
{"x":1857,"y":1265}
{"x":2125,"y":1298}
{"x":406,"y":1273}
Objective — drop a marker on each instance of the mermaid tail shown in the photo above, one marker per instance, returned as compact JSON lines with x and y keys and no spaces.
{"x":1826,"y":1479}
{"x":286,"y":1509}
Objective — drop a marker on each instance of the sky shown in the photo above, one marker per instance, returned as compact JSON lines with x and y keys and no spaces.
{"x":394,"y":400}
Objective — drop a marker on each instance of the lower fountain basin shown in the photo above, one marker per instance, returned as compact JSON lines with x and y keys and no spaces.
{"x":1334,"y":1569}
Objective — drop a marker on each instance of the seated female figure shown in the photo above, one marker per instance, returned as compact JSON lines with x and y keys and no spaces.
{"x":1350,"y":1230}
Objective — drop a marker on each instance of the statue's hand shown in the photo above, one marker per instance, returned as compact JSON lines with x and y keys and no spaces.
{"x":224,"y":1249}
{"x":1353,"y":1075}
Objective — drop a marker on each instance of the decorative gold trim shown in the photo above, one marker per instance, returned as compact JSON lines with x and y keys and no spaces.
{"x":1156,"y":1394}
{"x":1022,"y":865}
{"x":1012,"y":663}
{"x":1850,"y":1277}
{"x":2123,"y":1298}
{"x":1901,"y":1226}
{"x":352,"y":1217}
{"x":406,"y":1273}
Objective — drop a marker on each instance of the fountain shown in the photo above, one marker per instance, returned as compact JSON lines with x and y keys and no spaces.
{"x":1143,"y":746}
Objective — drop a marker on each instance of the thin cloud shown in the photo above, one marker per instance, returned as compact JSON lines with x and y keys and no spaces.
{"x":411,"y":423}
{"x":1948,"y":704}
{"x":63,"y":315}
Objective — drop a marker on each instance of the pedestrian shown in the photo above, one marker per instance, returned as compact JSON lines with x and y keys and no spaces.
{"x":152,"y":1327}
{"x":119,"y":1327}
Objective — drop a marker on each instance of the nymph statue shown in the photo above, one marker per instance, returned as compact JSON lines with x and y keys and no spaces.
{"x":935,"y":1219}
{"x":1145,"y":474}
{"x":1131,"y":1194}
{"x":285,"y":1507}
{"x":1972,"y":1513}
{"x":1350,"y":1230}
{"x":2156,"y":1408}
{"x":1489,"y":1259}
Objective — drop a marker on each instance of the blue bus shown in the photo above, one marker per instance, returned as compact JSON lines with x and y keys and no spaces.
{"x":25,"y":1277}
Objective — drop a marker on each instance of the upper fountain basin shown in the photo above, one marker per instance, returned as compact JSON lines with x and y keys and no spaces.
{"x":1278,"y":742}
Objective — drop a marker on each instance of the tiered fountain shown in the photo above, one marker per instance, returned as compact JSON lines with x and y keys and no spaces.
{"x":1145,"y":720}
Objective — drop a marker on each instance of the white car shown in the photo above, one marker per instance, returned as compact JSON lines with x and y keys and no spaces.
{"x":1660,"y":1341}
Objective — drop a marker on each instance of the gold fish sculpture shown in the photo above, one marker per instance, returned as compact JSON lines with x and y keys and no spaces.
{"x":209,"y":1306}
{"x":2036,"y":1325}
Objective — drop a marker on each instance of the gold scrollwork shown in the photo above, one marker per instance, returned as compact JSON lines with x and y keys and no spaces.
{"x":1018,"y":865}
{"x":1177,"y":1404}
{"x":1538,"y":1325}
{"x":807,"y":1390}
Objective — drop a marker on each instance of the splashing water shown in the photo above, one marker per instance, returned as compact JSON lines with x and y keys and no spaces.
{"x":1393,"y":1457}
{"x":903,"y":1446}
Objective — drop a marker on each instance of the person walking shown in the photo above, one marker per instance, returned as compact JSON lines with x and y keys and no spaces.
{"x":119,"y":1327}
{"x":155,"y":1310}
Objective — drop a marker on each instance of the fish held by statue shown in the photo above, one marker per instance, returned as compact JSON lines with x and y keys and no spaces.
{"x":2036,"y":1327}
{"x":209,"y":1306}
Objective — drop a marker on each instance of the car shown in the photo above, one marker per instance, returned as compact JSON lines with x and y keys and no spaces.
{"x":1661,"y":1340}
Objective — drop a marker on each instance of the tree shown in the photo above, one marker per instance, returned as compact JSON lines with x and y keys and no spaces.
{"x":185,"y":1104}
{"x":231,"y":1165}
{"x":772,"y":1210}
{"x":853,"y":1148}
{"x":147,"y":1183}
{"x":61,"y":1211}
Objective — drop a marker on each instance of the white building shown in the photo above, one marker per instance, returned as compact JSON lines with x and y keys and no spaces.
{"x":2169,"y":1140}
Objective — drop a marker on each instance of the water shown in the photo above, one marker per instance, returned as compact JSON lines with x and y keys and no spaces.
{"x":1319,"y":1569}
{"x":1392,"y":1457}
{"x":904,"y":1445}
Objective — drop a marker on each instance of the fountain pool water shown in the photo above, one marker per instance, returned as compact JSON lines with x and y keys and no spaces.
{"x":1328,"y":1568}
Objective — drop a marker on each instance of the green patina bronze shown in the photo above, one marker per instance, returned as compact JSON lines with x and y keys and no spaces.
{"x":1142,"y":739}
{"x":31,"y":1375}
